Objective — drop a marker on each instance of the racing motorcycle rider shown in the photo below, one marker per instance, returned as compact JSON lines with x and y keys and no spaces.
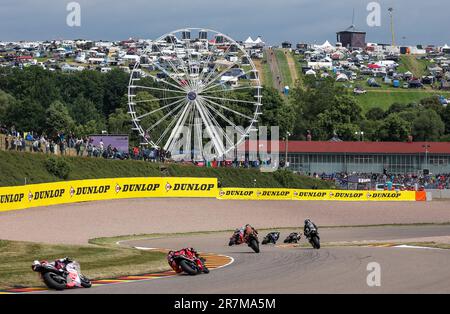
{"x":309,"y":226}
{"x":246,"y":231}
{"x":59,"y":264}
{"x":189,"y":252}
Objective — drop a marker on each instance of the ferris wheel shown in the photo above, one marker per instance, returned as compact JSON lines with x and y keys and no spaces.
{"x":194,"y":92}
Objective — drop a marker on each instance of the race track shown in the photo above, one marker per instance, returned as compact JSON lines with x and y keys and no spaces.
{"x":279,"y":269}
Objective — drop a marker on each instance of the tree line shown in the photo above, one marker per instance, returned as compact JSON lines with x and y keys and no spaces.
{"x":89,"y":102}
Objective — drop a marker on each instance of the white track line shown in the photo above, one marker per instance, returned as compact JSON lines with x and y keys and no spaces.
{"x":405,"y":246}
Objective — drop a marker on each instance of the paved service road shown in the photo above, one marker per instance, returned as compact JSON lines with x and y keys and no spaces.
{"x":304,"y":270}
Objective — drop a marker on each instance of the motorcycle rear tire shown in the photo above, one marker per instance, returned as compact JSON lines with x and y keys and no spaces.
{"x":264,"y":241}
{"x":188,"y":269}
{"x":51,"y":283}
{"x":254,"y":245}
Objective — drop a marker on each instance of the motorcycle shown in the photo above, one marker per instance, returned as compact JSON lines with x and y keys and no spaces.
{"x":191,"y":265}
{"x":251,"y":240}
{"x":60,"y":279}
{"x":313,"y":238}
{"x":293,"y":237}
{"x":271,"y":237}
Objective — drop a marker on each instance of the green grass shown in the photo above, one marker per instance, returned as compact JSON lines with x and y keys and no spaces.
{"x":96,"y":261}
{"x":15,"y":167}
{"x":267,"y":73}
{"x":412,"y":64}
{"x":298,"y":67}
{"x":384,"y":99}
{"x":283,"y":66}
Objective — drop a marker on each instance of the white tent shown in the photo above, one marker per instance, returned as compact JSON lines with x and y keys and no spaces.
{"x":310,"y":72}
{"x":259,"y":41}
{"x":342,"y":78}
{"x":326,"y":46}
{"x":249,"y":41}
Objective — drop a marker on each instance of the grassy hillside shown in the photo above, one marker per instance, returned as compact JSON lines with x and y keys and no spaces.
{"x":384,"y":98}
{"x":15,"y":167}
{"x":412,"y":64}
{"x":282,"y":61}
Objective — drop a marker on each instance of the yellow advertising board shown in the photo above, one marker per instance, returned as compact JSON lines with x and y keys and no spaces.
{"x":255,"y":194}
{"x":21,"y":197}
{"x":35,"y":195}
{"x":189,"y":187}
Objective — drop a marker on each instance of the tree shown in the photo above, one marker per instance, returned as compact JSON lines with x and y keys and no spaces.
{"x":445,"y":116}
{"x":428,"y":126}
{"x":26,"y":115}
{"x":119,"y":122}
{"x":375,"y":114}
{"x":341,"y":118}
{"x":83,"y":110}
{"x":90,"y":128}
{"x":276,"y":111}
{"x":6,"y":100}
{"x":58,"y":118}
{"x":394,"y":128}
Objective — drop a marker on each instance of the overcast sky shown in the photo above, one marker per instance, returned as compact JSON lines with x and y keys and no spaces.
{"x":312,"y":21}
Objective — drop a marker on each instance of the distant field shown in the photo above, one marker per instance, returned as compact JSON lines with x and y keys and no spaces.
{"x":267,"y":73}
{"x":413,"y":65}
{"x":284,"y":66}
{"x":385,"y":98}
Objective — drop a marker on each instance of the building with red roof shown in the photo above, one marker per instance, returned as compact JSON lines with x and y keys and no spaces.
{"x":361,"y":157}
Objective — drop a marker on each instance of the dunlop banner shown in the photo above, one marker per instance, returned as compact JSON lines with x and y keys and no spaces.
{"x":21,"y":197}
{"x":255,"y":194}
{"x":237,"y":194}
{"x":189,"y":187}
{"x":35,"y":195}
{"x":356,"y":196}
{"x":310,"y":195}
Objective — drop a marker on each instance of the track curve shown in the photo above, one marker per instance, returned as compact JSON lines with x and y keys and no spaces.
{"x":305,"y":270}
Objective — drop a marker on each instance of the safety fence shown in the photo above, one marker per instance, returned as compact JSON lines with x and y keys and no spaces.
{"x":36,"y":195}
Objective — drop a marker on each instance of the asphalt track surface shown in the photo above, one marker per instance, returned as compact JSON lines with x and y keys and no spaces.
{"x":77,"y":223}
{"x":305,"y":270}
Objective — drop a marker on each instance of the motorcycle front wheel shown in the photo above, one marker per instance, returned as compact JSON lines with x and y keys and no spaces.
{"x":188,"y":268}
{"x":315,"y":242}
{"x":54,"y":281}
{"x":85,"y":283}
{"x":254,"y":245}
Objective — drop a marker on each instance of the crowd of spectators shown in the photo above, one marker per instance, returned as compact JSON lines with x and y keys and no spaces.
{"x":70,"y":144}
{"x":388,"y":181}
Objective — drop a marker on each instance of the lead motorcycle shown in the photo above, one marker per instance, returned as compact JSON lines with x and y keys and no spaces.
{"x":251,"y":240}
{"x":313,"y":238}
{"x":188,"y":263}
{"x":61,"y":278}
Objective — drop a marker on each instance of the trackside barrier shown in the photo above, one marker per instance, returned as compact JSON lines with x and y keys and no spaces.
{"x":36,"y":195}
{"x":317,"y":195}
{"x":21,"y":197}
{"x":255,"y":194}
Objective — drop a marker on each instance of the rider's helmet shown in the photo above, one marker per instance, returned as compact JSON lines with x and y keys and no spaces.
{"x":35,"y":265}
{"x":307,"y":221}
{"x":59,"y":264}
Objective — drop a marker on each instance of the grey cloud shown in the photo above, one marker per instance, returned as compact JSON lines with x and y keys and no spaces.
{"x":276,"y":20}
